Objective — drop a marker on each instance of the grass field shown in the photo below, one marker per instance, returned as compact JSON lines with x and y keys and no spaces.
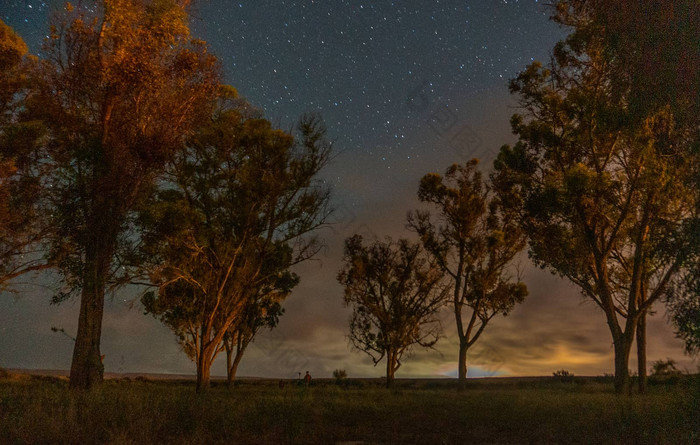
{"x":36,"y":409}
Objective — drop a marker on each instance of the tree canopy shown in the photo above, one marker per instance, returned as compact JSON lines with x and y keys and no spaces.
{"x":605,"y":196}
{"x":238,"y":210}
{"x":395,"y":293}
{"x":473,"y":238}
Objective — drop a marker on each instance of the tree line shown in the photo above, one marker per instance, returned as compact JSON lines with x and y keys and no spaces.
{"x":602,"y":187}
{"x":464,"y":259}
{"x":124,"y":160}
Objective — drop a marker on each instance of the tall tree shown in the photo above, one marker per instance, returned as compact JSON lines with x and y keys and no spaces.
{"x":119,"y":89}
{"x":395,"y":293}
{"x":20,"y":172}
{"x":604,"y":194}
{"x":239,"y":209}
{"x":474,"y":240}
{"x":653,"y":63}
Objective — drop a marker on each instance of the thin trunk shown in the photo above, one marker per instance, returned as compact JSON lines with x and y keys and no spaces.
{"x":233,"y":369}
{"x":390,"y":368}
{"x":232,"y":360}
{"x":229,"y":359}
{"x":462,"y":363}
{"x":207,"y":349}
{"x":639,"y":287}
{"x":642,"y":353}
{"x":622,"y":345}
{"x":622,"y":340}
{"x":457,"y":302}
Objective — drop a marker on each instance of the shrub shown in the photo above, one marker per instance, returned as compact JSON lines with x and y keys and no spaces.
{"x":563,"y":375}
{"x":664,"y":368}
{"x":340,"y":376}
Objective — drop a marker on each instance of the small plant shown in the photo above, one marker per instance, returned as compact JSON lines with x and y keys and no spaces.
{"x":563,"y":375}
{"x":340,"y":376}
{"x":664,"y":368}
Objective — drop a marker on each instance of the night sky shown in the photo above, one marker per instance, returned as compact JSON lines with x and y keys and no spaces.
{"x":405,"y":88}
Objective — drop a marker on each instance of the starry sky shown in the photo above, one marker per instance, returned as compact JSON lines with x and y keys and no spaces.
{"x":405,"y":88}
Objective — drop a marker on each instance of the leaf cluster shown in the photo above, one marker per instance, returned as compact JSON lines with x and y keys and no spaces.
{"x":473,"y":237}
{"x":21,"y":227}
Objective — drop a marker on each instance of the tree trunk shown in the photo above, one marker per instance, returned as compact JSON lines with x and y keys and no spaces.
{"x":390,"y":368}
{"x":233,"y":368}
{"x":642,"y":353}
{"x":203,"y":372}
{"x":462,"y":363}
{"x":86,"y":368}
{"x":623,"y":345}
{"x":229,"y":355}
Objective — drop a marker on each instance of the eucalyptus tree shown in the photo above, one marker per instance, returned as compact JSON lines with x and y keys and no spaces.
{"x":238,"y":210}
{"x":653,"y":64}
{"x":474,"y":239}
{"x":120,"y":86}
{"x":604,"y":194}
{"x":395,"y":293}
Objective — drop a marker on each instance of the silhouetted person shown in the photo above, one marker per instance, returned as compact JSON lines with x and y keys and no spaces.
{"x":307,"y":379}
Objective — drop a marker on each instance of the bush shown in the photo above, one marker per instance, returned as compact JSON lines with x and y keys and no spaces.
{"x":563,"y":375}
{"x":340,"y":376}
{"x":664,"y":368}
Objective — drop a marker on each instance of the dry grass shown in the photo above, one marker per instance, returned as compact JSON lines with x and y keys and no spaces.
{"x":43,"y":410}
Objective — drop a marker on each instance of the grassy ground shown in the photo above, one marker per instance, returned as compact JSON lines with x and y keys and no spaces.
{"x":42,"y":410}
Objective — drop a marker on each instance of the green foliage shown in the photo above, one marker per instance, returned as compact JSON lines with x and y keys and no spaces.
{"x":473,"y":238}
{"x":12,"y":72}
{"x":238,"y":211}
{"x":656,"y":57}
{"x":683,"y":303}
{"x":12,"y":48}
{"x":605,"y":195}
{"x":120,"y":88}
